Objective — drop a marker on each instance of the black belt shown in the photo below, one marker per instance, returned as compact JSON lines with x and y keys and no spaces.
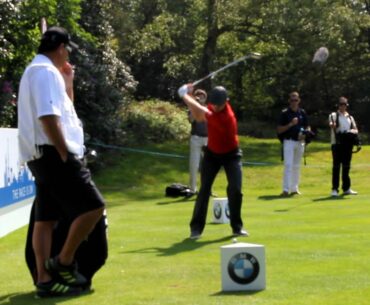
{"x":47,"y":148}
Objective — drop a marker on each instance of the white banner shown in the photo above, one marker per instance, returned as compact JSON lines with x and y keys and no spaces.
{"x":17,"y":187}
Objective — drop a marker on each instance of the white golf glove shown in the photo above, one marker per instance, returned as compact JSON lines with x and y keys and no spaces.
{"x":183,"y":90}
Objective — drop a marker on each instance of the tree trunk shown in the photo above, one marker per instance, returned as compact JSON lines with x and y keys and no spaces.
{"x":210,"y":45}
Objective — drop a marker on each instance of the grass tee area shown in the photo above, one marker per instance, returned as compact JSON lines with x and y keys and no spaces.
{"x":317,"y":247}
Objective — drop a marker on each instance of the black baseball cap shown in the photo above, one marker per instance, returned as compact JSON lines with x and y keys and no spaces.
{"x":54,"y":37}
{"x":218,"y":96}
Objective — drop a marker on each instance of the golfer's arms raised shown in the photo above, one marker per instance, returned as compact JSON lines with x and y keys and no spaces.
{"x":198,"y":111}
{"x":53,"y":130}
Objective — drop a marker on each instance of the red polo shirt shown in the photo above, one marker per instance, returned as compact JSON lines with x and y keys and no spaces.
{"x":222,"y":130}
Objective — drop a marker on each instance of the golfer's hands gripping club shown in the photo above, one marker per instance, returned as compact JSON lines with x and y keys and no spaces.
{"x":197,"y":110}
{"x":185,"y":89}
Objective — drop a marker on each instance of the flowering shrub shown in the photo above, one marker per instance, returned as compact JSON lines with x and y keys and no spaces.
{"x":154,"y":121}
{"x":7,"y":104}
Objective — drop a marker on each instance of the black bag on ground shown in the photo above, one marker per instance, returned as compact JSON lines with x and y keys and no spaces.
{"x":90,"y":256}
{"x":178,"y":190}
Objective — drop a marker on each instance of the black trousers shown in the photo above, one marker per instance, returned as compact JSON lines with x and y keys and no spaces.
{"x":210,"y":166}
{"x":342,"y":156}
{"x":63,"y":189}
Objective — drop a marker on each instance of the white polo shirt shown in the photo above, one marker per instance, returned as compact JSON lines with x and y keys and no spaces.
{"x":42,"y":92}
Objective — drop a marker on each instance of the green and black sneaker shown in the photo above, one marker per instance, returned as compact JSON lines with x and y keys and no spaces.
{"x":55,"y":289}
{"x":67,"y":274}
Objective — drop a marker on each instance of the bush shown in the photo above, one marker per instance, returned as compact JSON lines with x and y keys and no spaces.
{"x":257,"y":129}
{"x":154,"y":121}
{"x":7,"y":105}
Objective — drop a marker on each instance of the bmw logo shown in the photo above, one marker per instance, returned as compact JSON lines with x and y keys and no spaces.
{"x":227,"y":211}
{"x":243,"y":268}
{"x":217,"y":210}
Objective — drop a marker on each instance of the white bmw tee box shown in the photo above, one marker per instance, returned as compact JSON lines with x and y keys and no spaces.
{"x":221,"y":213}
{"x":243,"y":267}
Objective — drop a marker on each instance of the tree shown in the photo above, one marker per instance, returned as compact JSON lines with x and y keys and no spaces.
{"x":103,"y":82}
{"x":174,"y":42}
{"x":8,"y":14}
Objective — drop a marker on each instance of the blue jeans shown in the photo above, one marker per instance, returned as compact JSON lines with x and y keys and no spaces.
{"x":210,"y":166}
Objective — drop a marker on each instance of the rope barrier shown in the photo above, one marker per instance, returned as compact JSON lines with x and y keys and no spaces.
{"x":171,"y":155}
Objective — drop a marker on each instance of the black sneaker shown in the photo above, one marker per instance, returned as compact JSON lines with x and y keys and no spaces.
{"x":68,"y":274}
{"x":195,"y":235}
{"x":55,"y":289}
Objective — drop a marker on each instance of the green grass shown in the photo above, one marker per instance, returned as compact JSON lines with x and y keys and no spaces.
{"x":316,"y":247}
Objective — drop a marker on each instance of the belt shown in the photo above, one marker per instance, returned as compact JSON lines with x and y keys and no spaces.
{"x":291,"y":139}
{"x":47,"y":148}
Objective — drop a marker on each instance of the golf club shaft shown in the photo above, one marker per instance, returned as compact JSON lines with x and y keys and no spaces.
{"x":235,"y":62}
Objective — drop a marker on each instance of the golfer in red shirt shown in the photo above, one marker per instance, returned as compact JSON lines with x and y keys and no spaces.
{"x":222,"y":150}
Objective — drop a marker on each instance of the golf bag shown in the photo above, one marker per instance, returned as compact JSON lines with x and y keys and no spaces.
{"x":90,"y":256}
{"x":348,"y":138}
{"x":178,"y":190}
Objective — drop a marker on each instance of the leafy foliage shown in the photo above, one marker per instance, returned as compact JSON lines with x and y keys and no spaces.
{"x":176,"y":42}
{"x":103,"y":83}
{"x":7,"y":104}
{"x":8,"y":14}
{"x":165,"y":43}
{"x":154,"y":121}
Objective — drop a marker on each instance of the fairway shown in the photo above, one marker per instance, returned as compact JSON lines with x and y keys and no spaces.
{"x":317,"y":247}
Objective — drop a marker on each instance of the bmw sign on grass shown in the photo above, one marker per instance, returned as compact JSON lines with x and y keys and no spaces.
{"x":221,"y":212}
{"x":243,"y":268}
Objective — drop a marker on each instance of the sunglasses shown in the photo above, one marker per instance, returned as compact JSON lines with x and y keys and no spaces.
{"x":343,"y":104}
{"x":294,"y":100}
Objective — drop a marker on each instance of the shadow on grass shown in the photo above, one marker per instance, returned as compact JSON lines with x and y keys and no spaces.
{"x":183,"y":246}
{"x":233,"y":293}
{"x":271,"y":197}
{"x":178,"y":200}
{"x":292,"y":208}
{"x":277,"y":197}
{"x":330,"y":198}
{"x":327,"y":198}
{"x":20,"y":299}
{"x":30,"y":298}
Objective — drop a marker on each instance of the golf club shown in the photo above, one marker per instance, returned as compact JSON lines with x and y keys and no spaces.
{"x":252,"y":55}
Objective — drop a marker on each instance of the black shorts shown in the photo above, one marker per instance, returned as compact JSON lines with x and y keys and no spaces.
{"x":63,"y":189}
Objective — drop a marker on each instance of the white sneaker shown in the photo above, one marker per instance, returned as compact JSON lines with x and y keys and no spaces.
{"x":334,"y":193}
{"x":296,"y":193}
{"x":350,"y":192}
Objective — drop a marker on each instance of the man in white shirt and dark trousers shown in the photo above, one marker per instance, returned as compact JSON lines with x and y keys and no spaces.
{"x":51,"y":142}
{"x":343,"y":130}
{"x":292,"y":125}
